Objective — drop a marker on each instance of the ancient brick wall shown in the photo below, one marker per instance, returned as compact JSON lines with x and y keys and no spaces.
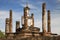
{"x":35,"y":38}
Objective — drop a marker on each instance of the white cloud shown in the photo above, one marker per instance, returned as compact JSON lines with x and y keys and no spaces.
{"x":38,"y":23}
{"x":5,"y":14}
{"x":55,"y":21}
{"x":58,"y":0}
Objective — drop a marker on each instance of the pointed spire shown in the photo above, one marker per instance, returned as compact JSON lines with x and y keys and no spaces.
{"x":26,"y":4}
{"x":27,"y":7}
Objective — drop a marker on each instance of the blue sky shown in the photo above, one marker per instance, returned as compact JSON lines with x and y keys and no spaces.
{"x":36,"y":8}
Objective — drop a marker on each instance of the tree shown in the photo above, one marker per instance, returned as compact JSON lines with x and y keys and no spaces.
{"x":1,"y":34}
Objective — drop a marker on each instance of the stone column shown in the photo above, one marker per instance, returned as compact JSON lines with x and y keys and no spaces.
{"x":32,"y":16}
{"x":17,"y":25}
{"x":10,"y":22}
{"x":7,"y":25}
{"x":48,"y":22}
{"x":44,"y":18}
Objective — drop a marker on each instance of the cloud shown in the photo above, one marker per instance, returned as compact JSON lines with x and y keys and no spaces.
{"x":5,"y":14}
{"x":55,"y":21}
{"x":58,"y":0}
{"x":38,"y":23}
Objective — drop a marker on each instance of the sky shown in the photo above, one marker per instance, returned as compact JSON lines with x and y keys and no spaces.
{"x":35,"y":6}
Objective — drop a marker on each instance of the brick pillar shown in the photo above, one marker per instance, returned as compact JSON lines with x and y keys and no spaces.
{"x":17,"y":25}
{"x":48,"y":22}
{"x":7,"y":25}
{"x":32,"y":16}
{"x":10,"y":22}
{"x":44,"y":18}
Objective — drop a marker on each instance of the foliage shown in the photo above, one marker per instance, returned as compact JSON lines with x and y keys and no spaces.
{"x":1,"y":34}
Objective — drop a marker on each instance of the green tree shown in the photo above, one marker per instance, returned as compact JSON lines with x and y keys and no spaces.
{"x":1,"y":34}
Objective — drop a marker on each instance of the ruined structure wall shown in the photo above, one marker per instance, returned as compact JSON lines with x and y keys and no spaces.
{"x":17,"y":25}
{"x":7,"y":25}
{"x":34,"y":38}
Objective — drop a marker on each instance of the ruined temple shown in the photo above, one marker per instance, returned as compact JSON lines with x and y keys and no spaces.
{"x":30,"y":31}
